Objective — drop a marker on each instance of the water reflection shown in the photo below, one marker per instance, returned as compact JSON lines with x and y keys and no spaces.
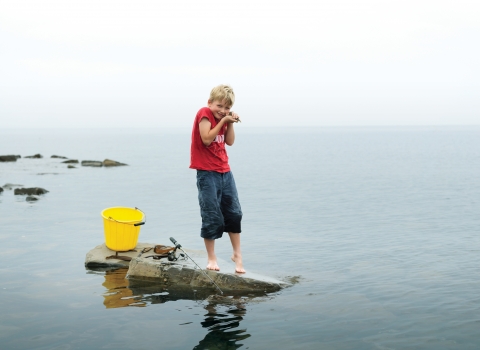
{"x":118,"y":294}
{"x":223,"y":326}
{"x":223,"y":313}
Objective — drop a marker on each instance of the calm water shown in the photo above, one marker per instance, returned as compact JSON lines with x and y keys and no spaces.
{"x":379,"y":226}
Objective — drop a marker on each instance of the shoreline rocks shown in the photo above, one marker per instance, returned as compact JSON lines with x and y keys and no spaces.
{"x":30,"y":191}
{"x":94,"y":163}
{"x":36,"y":156}
{"x":105,"y":163}
{"x":9,"y":186}
{"x":109,"y":162}
{"x":9,"y":158}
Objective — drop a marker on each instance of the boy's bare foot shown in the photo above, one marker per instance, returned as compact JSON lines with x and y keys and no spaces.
{"x":238,"y":264}
{"x":212,"y":265}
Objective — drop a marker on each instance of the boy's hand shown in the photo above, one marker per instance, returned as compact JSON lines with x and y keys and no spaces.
{"x":232,"y":117}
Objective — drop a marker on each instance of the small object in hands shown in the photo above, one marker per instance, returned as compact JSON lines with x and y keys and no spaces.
{"x":238,"y":119}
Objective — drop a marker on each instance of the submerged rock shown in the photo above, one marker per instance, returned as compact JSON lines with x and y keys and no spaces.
{"x":11,"y":186}
{"x":9,"y":158}
{"x":60,"y":157}
{"x":182,"y":272}
{"x":37,"y":156}
{"x":109,"y":162}
{"x":30,"y":191}
{"x":94,"y":163}
{"x":71,"y":161}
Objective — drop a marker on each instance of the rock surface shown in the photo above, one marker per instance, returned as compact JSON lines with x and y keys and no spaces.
{"x":30,"y":191}
{"x":11,"y":186}
{"x":37,"y":156}
{"x":71,"y":161}
{"x":94,"y":163}
{"x":9,"y":158}
{"x":109,"y":162}
{"x":181,"y":272}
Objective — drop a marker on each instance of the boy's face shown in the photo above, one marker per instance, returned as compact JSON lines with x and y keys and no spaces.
{"x":219,"y":108}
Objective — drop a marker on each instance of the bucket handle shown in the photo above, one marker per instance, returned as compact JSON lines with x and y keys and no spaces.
{"x":136,"y":224}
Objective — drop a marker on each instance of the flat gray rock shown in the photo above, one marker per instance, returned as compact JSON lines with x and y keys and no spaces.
{"x":10,"y":186}
{"x":94,"y":163}
{"x":29,"y":191}
{"x":109,"y":162}
{"x":182,"y":272}
{"x":35,"y":156}
{"x":8,"y":158}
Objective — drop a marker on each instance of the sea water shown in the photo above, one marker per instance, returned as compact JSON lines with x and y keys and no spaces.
{"x":376,"y":228}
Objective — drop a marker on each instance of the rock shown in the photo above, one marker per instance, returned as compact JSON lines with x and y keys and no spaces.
{"x":10,"y":186}
{"x":61,"y":157}
{"x":37,"y":156}
{"x":31,"y":199}
{"x":181,"y":272}
{"x":71,"y":161}
{"x":9,"y":158}
{"x":1,"y":190}
{"x":71,"y":167}
{"x":94,"y":163}
{"x":29,"y":191}
{"x":109,"y":162}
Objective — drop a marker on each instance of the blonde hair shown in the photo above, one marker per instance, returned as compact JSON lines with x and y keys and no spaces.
{"x":222,"y":93}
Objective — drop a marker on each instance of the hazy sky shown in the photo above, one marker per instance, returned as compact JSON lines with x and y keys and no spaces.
{"x":320,"y":63}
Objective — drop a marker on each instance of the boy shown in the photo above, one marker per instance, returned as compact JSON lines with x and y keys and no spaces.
{"x":217,"y":194}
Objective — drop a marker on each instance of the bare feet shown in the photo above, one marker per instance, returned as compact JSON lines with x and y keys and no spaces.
{"x":238,"y":264}
{"x":212,"y":265}
{"x":212,"y":258}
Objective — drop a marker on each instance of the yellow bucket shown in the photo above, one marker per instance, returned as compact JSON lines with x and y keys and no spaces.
{"x":122,"y":227}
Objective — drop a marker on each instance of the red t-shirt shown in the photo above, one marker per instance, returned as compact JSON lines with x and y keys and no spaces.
{"x":213,"y":157}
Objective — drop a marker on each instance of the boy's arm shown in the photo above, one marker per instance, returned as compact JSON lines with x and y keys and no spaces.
{"x":208,"y":135}
{"x":230,"y":132}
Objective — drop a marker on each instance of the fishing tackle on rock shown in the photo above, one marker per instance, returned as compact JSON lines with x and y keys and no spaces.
{"x":177,"y":245}
{"x":162,"y":251}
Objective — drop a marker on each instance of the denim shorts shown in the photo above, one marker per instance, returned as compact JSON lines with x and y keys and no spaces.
{"x":219,"y":205}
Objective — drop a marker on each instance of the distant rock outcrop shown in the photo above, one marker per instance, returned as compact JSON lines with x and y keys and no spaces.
{"x":38,"y":155}
{"x":109,"y":162}
{"x":9,"y":158}
{"x":94,"y":163}
{"x":61,"y":157}
{"x":71,"y":161}
{"x":71,"y":167}
{"x":31,"y":199}
{"x":11,"y":186}
{"x":1,"y":190}
{"x":30,"y":191}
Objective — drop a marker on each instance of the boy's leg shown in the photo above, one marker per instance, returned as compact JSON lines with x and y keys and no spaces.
{"x":237,"y":252}
{"x":209,"y":198}
{"x":212,"y":258}
{"x":232,"y":213}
